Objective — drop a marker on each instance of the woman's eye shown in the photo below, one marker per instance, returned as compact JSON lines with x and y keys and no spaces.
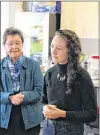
{"x":59,"y":48}
{"x":10,"y":44}
{"x":17,"y":43}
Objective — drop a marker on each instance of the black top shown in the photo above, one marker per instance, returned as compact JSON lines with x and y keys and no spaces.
{"x":80,"y":105}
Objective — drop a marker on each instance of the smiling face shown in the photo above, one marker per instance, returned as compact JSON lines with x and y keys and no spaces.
{"x":14,"y":46}
{"x":59,"y":50}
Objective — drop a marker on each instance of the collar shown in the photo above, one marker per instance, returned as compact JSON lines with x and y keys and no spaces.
{"x":62,"y":68}
{"x":5,"y":62}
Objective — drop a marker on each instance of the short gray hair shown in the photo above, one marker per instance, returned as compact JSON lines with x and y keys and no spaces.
{"x":12,"y":31}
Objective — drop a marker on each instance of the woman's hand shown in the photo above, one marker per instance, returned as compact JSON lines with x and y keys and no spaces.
{"x":48,"y":108}
{"x":16,"y":99}
{"x":52,"y":112}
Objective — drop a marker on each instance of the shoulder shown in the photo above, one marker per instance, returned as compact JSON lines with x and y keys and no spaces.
{"x":3,"y":61}
{"x":52,"y":69}
{"x":30,"y":62}
{"x":50,"y":72}
{"x":85,"y":81}
{"x":83,"y":74}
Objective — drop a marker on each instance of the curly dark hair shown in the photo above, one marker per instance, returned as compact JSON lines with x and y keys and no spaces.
{"x":74,"y":50}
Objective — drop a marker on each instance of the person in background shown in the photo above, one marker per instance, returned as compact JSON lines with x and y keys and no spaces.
{"x":21,"y":85}
{"x":68,"y":96}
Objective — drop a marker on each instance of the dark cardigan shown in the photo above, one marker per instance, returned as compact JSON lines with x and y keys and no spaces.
{"x":80,"y":105}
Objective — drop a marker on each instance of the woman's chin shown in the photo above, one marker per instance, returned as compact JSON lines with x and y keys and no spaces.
{"x":55,"y":61}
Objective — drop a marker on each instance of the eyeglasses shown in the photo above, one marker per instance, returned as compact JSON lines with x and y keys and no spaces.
{"x":16,"y":43}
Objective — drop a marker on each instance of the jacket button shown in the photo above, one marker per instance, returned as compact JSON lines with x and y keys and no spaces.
{"x":26,"y":120}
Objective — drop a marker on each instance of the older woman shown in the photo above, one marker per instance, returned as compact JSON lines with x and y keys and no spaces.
{"x":68,"y":94}
{"x":21,"y":86}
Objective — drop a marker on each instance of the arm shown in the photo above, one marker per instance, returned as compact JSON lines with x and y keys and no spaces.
{"x":88,"y":113}
{"x":35,"y":94}
{"x":4,"y":96}
{"x":44,"y":99}
{"x":89,"y":107}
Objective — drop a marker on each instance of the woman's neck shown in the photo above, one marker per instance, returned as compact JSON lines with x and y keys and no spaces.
{"x":62,"y":63}
{"x":14,"y":60}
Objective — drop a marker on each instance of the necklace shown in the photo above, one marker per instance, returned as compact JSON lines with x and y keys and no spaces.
{"x":61,"y":78}
{"x":68,"y":91}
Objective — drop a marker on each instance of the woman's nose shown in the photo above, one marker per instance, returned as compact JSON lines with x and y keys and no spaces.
{"x":14,"y":45}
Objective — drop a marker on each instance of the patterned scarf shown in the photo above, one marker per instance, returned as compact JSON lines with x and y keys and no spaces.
{"x":15,"y":72}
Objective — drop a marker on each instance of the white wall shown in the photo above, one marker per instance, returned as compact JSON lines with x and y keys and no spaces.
{"x":7,"y":20}
{"x":4,"y":23}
